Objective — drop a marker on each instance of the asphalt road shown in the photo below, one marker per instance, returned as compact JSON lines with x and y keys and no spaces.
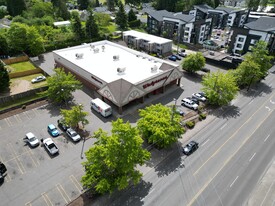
{"x":235,"y":151}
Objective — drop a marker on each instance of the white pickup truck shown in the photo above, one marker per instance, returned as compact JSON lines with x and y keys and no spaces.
{"x":50,"y":146}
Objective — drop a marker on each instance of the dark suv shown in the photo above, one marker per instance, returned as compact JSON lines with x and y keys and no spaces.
{"x":190,"y":148}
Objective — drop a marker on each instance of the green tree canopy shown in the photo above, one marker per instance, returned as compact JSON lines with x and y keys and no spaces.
{"x":92,"y":31}
{"x":102,"y":19}
{"x":131,"y":16}
{"x":61,"y":86}
{"x":35,"y":42}
{"x":74,"y":116}
{"x":4,"y":78}
{"x":76,"y":25}
{"x":159,"y":125}
{"x":17,"y":37}
{"x":112,"y":160}
{"x":83,"y":4}
{"x":39,"y":9}
{"x":121,"y":17}
{"x":4,"y":47}
{"x":3,"y":11}
{"x":193,"y":62}
{"x":16,"y":7}
{"x":220,"y":88}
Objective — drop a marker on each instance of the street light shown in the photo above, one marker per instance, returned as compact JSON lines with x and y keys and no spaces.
{"x":173,"y":110}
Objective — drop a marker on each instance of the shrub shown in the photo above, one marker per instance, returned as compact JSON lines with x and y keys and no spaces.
{"x":202,"y":116}
{"x":190,"y":124}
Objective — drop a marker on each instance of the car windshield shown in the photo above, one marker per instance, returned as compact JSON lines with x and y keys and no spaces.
{"x":74,"y":134}
{"x":51,"y":146}
{"x":32,"y":139}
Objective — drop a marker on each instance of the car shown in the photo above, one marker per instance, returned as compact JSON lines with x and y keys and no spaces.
{"x":182,"y":50}
{"x":73,"y":135}
{"x":172,"y":58}
{"x":179,"y":111}
{"x":182,"y":54}
{"x":3,"y":168}
{"x":189,"y":103}
{"x":31,"y":139}
{"x":53,"y":130}
{"x":193,"y":100}
{"x":50,"y":146}
{"x":38,"y":79}
{"x":177,"y":57}
{"x":199,"y":97}
{"x":62,"y":125}
{"x":204,"y":69}
{"x":202,"y":94}
{"x":190,"y":148}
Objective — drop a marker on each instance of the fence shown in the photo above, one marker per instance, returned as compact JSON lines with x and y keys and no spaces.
{"x":15,"y":60}
{"x":22,"y":94}
{"x":26,"y":73}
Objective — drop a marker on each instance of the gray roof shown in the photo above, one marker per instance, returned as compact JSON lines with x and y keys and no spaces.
{"x":158,"y":15}
{"x":226,"y":9}
{"x":185,"y":17}
{"x":264,"y":23}
{"x":203,"y":7}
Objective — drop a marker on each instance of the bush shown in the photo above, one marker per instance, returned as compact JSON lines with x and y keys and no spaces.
{"x":190,"y":124}
{"x":135,"y":23}
{"x":202,"y":116}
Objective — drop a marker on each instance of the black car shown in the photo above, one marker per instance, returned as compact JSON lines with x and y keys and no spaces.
{"x":3,"y":170}
{"x":62,"y":125}
{"x":190,"y":148}
{"x":193,"y":100}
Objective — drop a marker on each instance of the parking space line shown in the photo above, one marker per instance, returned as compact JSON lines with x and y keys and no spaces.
{"x":63,"y":193}
{"x":76,"y":183}
{"x":30,"y":155}
{"x":18,"y":162}
{"x":8,"y":122}
{"x":26,"y":113}
{"x":18,"y":118}
{"x":47,"y":199}
{"x":35,"y":112}
{"x":28,"y":204}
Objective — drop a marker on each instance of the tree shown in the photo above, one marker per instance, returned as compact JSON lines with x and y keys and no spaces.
{"x":252,"y":4}
{"x":76,"y":25}
{"x":39,"y":9}
{"x":112,"y":160}
{"x":102,"y":19}
{"x":260,"y":56}
{"x":4,"y":77}
{"x":83,"y":4}
{"x":17,"y":36}
{"x":61,"y":86}
{"x":131,"y":16}
{"x":220,"y":88}
{"x":111,"y":5}
{"x":4,"y":47}
{"x":216,"y":3}
{"x":3,"y":11}
{"x":35,"y":41}
{"x":74,"y":116}
{"x":168,"y":5}
{"x":133,"y":2}
{"x":92,"y":31}
{"x":121,"y":17}
{"x":159,"y":125}
{"x":16,"y":7}
{"x":193,"y":62}
{"x":61,"y":9}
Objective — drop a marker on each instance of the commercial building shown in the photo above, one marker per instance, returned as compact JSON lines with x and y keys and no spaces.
{"x":119,"y":74}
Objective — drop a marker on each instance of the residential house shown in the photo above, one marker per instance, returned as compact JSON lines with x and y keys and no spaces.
{"x":200,"y":11}
{"x":242,"y":39}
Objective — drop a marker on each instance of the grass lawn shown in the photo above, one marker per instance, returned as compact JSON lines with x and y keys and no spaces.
{"x":29,"y":78}
{"x":21,"y":66}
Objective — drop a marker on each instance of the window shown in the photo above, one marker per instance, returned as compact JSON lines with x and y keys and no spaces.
{"x":230,"y":17}
{"x":253,"y":41}
{"x":239,"y":45}
{"x":241,"y":39}
{"x":202,"y":28}
{"x":200,"y":39}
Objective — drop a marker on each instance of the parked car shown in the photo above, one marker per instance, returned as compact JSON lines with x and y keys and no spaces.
{"x":177,"y":57}
{"x":50,"y":146}
{"x":62,"y":125}
{"x":193,"y":100}
{"x":172,"y":58}
{"x":199,"y":97}
{"x":204,"y":69}
{"x":31,"y":139}
{"x":182,"y":54}
{"x":38,"y":79}
{"x":53,"y":130}
{"x":189,"y":103}
{"x":73,"y":135}
{"x":179,"y":111}
{"x":190,"y":148}
{"x":3,"y":170}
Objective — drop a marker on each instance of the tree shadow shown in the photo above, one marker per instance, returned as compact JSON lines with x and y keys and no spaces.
{"x":257,"y":90}
{"x":53,"y":109}
{"x":225,"y":112}
{"x":194,"y":77}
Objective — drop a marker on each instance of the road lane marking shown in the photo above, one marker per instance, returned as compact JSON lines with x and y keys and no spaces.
{"x":268,"y":108}
{"x":63,"y":193}
{"x":151,"y":191}
{"x":223,"y":126}
{"x":266,"y":137}
{"x":225,"y":163}
{"x":18,"y":162}
{"x":234,"y":181}
{"x":47,"y":199}
{"x":205,"y":142}
{"x":272,"y":102}
{"x":252,"y":157}
{"x":76,"y":183}
{"x":251,"y":101}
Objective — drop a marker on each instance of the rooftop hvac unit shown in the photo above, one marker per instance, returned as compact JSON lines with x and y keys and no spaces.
{"x":79,"y":55}
{"x":121,"y":70}
{"x":103,"y":48}
{"x":116,"y":57}
{"x":154,"y":68}
{"x":96,"y":50}
{"x":92,"y":46}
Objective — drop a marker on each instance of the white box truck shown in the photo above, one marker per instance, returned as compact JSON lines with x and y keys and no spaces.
{"x":101,"y":107}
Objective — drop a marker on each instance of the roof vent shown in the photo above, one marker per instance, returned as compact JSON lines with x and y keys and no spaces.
{"x":96,"y":50}
{"x":154,"y":68}
{"x":103,"y":48}
{"x":116,"y":57}
{"x":121,"y":70}
{"x":79,"y":55}
{"x":92,"y":46}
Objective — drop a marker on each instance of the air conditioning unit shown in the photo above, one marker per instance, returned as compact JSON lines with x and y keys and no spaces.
{"x":96,"y":50}
{"x":92,"y":46}
{"x":79,"y":55}
{"x":103,"y":48}
{"x":116,"y":57}
{"x":121,"y":70}
{"x":154,"y":68}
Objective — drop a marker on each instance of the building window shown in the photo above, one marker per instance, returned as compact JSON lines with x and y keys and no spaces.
{"x":239,"y":45}
{"x":253,"y":41}
{"x":202,"y":28}
{"x":230,"y":17}
{"x":241,"y":39}
{"x":200,"y":39}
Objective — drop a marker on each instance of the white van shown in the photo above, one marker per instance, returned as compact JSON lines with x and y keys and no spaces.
{"x":101,"y":107}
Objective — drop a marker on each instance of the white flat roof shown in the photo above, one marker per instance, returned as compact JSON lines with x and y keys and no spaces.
{"x":61,"y":23}
{"x":148,"y":37}
{"x":138,"y":66}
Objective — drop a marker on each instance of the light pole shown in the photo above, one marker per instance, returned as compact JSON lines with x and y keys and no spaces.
{"x":173,"y":110}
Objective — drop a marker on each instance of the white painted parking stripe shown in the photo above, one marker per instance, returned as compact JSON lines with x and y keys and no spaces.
{"x":76,"y":183}
{"x":47,"y":199}
{"x":63,"y":193}
{"x":18,"y":162}
{"x":26,"y":113}
{"x":17,"y":117}
{"x":28,"y":204}
{"x":8,"y":122}
{"x":30,"y":155}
